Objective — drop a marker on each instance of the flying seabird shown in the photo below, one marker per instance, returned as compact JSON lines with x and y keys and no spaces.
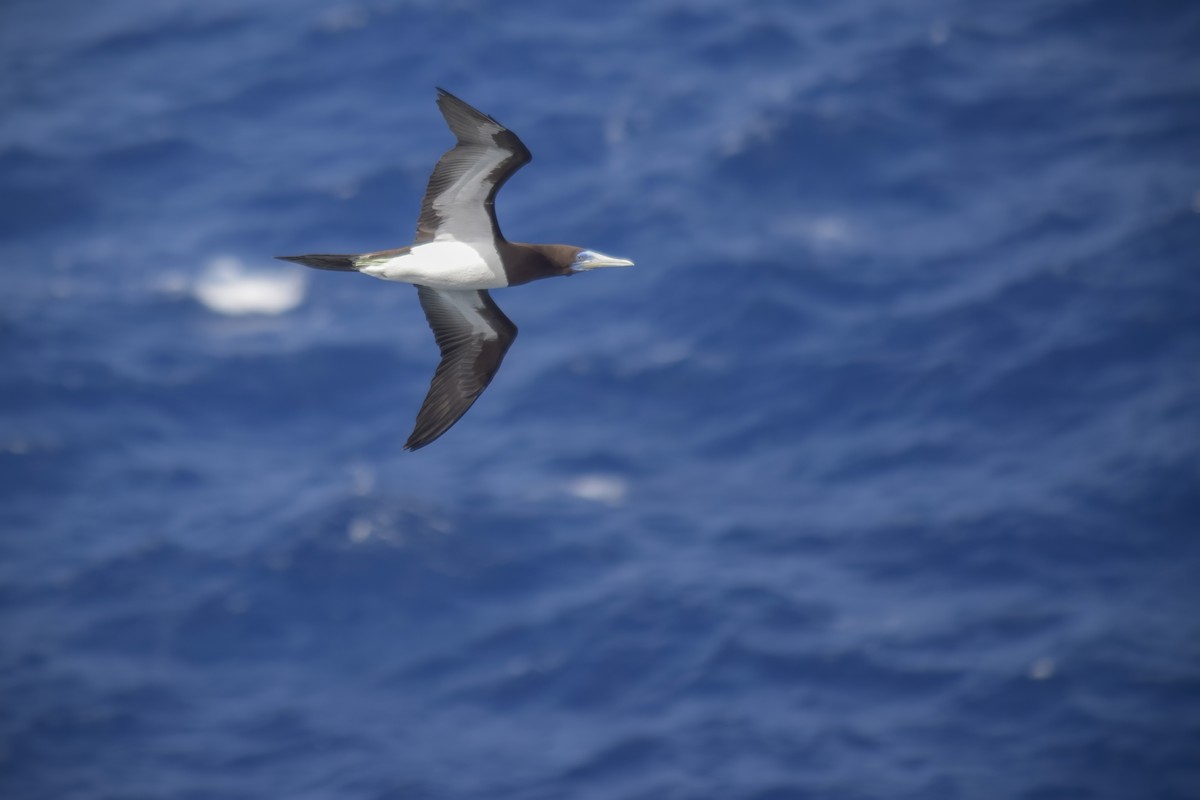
{"x":457,"y":256}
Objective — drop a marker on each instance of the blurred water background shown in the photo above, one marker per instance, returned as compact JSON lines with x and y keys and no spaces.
{"x":876,"y":478}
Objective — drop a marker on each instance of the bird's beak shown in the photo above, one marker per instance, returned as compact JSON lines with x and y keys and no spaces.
{"x":590,"y":259}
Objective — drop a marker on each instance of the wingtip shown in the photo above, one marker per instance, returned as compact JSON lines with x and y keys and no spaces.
{"x":449,"y":100}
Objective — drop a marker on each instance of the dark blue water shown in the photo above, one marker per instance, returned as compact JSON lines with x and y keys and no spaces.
{"x":879,"y":476}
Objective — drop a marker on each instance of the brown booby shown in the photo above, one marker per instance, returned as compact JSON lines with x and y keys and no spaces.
{"x":457,"y":256}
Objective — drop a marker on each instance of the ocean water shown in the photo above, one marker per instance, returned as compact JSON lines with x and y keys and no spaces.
{"x":878,"y":477}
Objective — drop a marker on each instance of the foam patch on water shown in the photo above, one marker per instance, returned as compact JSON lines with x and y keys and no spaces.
{"x":826,"y":232}
{"x":228,"y":287}
{"x":599,"y":488}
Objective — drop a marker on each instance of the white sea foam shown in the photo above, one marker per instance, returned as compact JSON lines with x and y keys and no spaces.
{"x":1042,"y":669}
{"x":228,"y":287}
{"x":599,"y":488}
{"x":823,"y":232}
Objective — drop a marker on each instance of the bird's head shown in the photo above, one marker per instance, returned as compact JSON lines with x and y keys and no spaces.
{"x":531,"y":262}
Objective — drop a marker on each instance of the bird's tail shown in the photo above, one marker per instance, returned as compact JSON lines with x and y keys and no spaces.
{"x":337,"y":263}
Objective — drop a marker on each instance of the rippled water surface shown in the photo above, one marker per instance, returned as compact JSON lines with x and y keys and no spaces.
{"x":876,"y":478}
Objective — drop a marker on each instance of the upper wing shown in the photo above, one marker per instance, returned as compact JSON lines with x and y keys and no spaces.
{"x":459,"y":199}
{"x":473,"y":335}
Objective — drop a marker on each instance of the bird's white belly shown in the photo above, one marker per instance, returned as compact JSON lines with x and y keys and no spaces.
{"x":443,"y":265}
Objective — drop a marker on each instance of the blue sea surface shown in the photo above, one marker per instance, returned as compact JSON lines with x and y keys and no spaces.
{"x":878,"y":477}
